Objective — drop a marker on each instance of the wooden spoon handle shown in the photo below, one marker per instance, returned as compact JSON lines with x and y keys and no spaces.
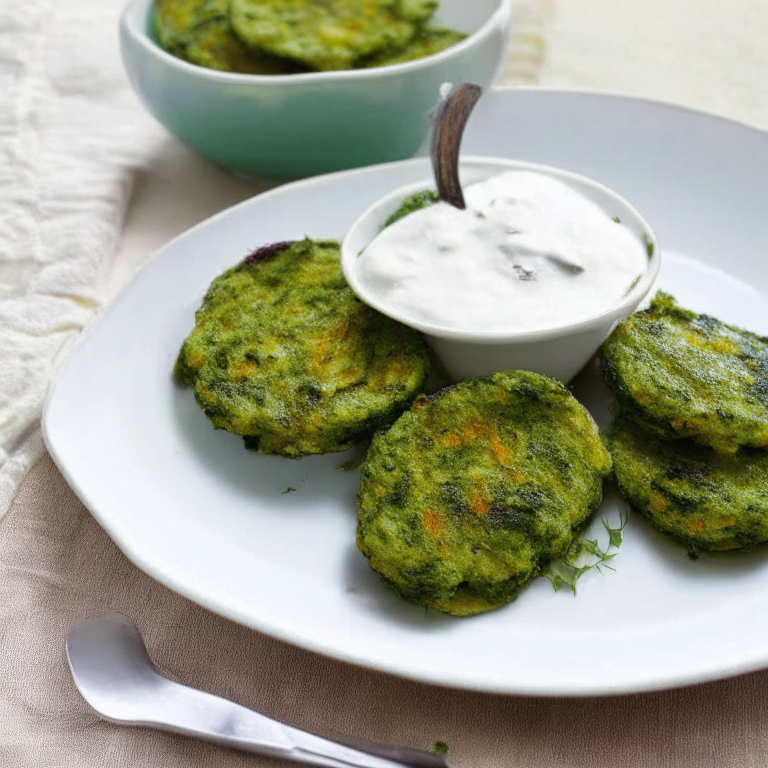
{"x":449,"y":121}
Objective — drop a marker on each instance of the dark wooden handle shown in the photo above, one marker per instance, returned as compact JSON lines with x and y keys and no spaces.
{"x":449,"y":121}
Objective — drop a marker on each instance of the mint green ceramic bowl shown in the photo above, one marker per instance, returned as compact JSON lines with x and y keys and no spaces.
{"x":289,"y":126}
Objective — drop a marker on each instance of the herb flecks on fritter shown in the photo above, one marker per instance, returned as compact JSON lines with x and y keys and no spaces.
{"x":705,"y":500}
{"x":471,"y":492}
{"x":329,"y":35}
{"x":199,"y":31}
{"x":683,"y":375}
{"x":286,"y":355}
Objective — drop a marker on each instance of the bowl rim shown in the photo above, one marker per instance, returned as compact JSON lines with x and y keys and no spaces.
{"x":130,"y":26}
{"x":619,"y":310}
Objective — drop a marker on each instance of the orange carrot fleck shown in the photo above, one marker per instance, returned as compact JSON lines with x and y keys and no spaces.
{"x":432,"y":522}
{"x":479,"y":504}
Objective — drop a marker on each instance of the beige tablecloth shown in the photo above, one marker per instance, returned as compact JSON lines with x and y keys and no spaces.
{"x":78,"y":156}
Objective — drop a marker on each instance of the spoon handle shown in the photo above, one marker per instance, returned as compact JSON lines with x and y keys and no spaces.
{"x":202,"y":715}
{"x":449,"y":121}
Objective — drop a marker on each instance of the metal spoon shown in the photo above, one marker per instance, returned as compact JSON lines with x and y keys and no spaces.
{"x":449,"y":121}
{"x":113,"y":672}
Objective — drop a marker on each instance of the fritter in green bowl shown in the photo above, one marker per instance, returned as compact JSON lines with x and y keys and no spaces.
{"x":705,"y":500}
{"x":471,"y":492}
{"x":332,"y":34}
{"x":199,"y":31}
{"x":427,"y":42}
{"x":286,"y":355}
{"x":683,"y":375}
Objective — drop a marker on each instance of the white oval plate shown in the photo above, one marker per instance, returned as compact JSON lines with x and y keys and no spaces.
{"x":208,"y":519}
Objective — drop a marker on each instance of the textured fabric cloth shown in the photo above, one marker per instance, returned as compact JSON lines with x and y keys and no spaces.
{"x":705,"y":54}
{"x":89,"y":186}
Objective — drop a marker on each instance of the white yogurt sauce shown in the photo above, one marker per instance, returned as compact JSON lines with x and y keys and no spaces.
{"x":528,"y":253}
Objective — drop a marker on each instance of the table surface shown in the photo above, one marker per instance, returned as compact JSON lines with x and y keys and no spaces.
{"x":57,"y":565}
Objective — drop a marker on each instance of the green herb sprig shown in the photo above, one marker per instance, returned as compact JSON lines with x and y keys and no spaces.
{"x":567,"y":571}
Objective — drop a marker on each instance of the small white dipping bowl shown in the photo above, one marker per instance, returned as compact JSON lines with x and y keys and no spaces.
{"x":560,"y":352}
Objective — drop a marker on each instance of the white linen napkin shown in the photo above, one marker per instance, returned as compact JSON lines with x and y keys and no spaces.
{"x":71,"y":139}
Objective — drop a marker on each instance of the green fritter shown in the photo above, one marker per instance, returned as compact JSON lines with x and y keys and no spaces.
{"x":328,"y":34}
{"x":199,"y":32}
{"x":175,"y":19}
{"x":683,"y":375}
{"x":285,"y":354}
{"x":476,"y":488}
{"x":705,"y":500}
{"x":428,"y":41}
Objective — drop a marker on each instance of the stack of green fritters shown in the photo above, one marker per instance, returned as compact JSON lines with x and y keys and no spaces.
{"x":272,"y":37}
{"x":688,"y":445}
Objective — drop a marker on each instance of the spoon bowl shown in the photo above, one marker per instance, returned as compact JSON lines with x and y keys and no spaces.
{"x":559,"y":352}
